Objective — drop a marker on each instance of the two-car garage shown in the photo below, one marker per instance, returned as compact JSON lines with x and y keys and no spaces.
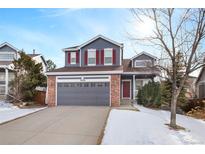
{"x":83,"y":90}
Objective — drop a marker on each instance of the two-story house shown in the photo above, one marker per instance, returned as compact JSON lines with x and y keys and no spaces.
{"x":95,"y":73}
{"x":7,"y":54}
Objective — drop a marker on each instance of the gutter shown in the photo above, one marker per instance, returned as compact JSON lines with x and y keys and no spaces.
{"x":83,"y":73}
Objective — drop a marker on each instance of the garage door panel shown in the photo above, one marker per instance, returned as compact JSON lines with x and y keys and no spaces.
{"x":96,"y":94}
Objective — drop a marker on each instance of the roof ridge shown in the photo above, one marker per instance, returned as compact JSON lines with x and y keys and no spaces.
{"x":8,"y":44}
{"x":91,"y":40}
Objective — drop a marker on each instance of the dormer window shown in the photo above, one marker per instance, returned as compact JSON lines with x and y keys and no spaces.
{"x":91,"y":57}
{"x":108,"y":56}
{"x":73,"y":57}
{"x":143,"y":63}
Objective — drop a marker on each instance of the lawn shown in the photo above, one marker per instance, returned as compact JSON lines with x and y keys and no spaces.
{"x":147,"y":126}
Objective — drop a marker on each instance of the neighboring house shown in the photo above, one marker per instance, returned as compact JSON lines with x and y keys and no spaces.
{"x":38,"y":58}
{"x":190,"y":87}
{"x":7,"y":54}
{"x":95,"y":73}
{"x":200,"y":84}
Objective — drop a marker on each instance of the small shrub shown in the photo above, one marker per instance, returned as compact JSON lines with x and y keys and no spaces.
{"x":149,"y":94}
{"x":166,"y":95}
{"x":193,"y":104}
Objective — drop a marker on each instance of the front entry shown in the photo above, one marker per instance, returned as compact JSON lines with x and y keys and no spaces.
{"x":126,"y":87}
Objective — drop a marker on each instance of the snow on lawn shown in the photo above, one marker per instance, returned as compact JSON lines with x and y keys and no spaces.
{"x":148,"y":127}
{"x":9,"y":112}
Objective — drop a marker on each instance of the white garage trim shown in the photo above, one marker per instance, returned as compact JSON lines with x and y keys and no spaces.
{"x":83,"y":79}
{"x":56,"y":91}
{"x":86,"y":73}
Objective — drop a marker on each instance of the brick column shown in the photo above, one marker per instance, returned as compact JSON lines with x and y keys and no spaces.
{"x":115,"y":90}
{"x":51,"y":93}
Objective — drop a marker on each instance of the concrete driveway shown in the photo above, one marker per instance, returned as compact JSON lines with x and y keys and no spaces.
{"x":57,"y":125}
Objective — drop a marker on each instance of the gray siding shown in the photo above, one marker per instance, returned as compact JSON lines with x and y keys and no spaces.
{"x":7,"y":49}
{"x":202,"y":90}
{"x":143,"y":57}
{"x":202,"y":78}
{"x":66,"y":61}
{"x":98,"y":44}
{"x":201,"y":81}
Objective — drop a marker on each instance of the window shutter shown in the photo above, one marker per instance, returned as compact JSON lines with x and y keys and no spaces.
{"x":97,"y":57}
{"x":102,"y":56}
{"x":68,"y":57}
{"x":77,"y":57}
{"x":86,"y":57}
{"x":114,"y":56}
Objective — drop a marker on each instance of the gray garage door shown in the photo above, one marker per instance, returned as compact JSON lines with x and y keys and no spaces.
{"x":78,"y":93}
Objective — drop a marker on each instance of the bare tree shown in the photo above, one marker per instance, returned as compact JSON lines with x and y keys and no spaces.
{"x":176,"y":31}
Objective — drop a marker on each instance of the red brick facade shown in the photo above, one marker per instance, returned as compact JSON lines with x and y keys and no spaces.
{"x":51,"y":97}
{"x":115,"y":90}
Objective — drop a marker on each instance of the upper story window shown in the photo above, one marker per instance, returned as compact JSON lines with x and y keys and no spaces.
{"x":91,"y":57}
{"x":143,"y":63}
{"x":6,"y":56}
{"x":73,"y":57}
{"x":108,"y":56}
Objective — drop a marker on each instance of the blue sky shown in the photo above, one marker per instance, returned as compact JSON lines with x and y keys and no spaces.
{"x":49,"y":30}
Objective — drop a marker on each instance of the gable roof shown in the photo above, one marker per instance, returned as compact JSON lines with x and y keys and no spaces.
{"x":127,"y":68}
{"x":11,"y":46}
{"x":91,"y":40}
{"x":36,"y":55}
{"x":145,"y":53}
{"x":33,"y":55}
{"x":71,"y":48}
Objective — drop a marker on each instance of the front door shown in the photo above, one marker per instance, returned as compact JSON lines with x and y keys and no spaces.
{"x":126,"y":89}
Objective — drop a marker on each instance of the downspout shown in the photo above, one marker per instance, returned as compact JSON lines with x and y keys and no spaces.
{"x":80,"y":58}
{"x":134,"y":83}
{"x":6,"y":81}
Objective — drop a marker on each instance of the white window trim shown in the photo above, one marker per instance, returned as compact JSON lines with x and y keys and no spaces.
{"x":110,"y":50}
{"x":94,"y":51}
{"x":74,"y":53}
{"x":7,"y":52}
{"x":141,"y":61}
